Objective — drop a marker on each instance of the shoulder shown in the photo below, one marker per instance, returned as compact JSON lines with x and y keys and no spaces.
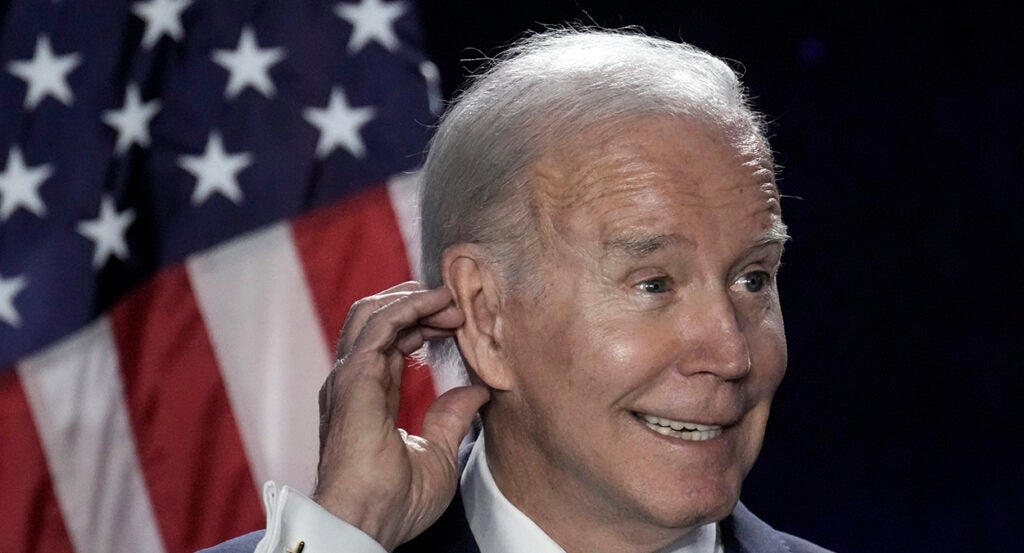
{"x":743,"y":532}
{"x":241,"y":544}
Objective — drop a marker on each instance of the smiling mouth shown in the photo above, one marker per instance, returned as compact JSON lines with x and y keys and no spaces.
{"x":682,"y":430}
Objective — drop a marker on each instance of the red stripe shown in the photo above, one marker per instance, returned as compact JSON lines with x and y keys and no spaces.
{"x":350,"y":250}
{"x":189,"y":446}
{"x":31,"y":518}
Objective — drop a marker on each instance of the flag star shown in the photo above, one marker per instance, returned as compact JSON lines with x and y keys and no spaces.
{"x":249,"y":65}
{"x":19,"y":186}
{"x":432,"y":75}
{"x":9,"y":288}
{"x":216,"y":171}
{"x":339,"y":124}
{"x":131,"y":121}
{"x":107,"y":231}
{"x":162,"y":17}
{"x":46,"y":74}
{"x":371,"y":20}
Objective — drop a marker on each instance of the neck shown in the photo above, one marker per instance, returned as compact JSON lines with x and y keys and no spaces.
{"x":576,"y":521}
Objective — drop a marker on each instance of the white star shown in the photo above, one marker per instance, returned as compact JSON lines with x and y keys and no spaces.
{"x":249,"y":65}
{"x":8,"y":290}
{"x":371,"y":20}
{"x":163,"y":17}
{"x":215,"y":171}
{"x":432,"y":75}
{"x":107,"y":232}
{"x":46,"y":74}
{"x":19,"y":186}
{"x":339,"y":124}
{"x":131,"y":121}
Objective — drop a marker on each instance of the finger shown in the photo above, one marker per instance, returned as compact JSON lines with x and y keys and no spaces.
{"x":360,"y":405}
{"x":451,"y":317}
{"x":449,"y":417}
{"x":362,"y":309}
{"x":432,"y":327}
{"x":411,"y":339}
{"x":384,"y":325}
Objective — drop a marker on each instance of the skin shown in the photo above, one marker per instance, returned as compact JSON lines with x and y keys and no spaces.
{"x":380,"y":479}
{"x":654,"y":292}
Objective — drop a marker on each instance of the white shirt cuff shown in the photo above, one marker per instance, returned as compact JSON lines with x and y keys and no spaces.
{"x":292,"y":518}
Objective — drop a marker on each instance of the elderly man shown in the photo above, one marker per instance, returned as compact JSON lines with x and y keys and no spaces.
{"x":601,"y":232}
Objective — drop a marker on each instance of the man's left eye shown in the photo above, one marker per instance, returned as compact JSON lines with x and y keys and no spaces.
{"x":754,"y":281}
{"x":654,"y":286}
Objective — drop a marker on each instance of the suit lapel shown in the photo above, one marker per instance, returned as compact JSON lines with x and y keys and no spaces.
{"x":742,"y":532}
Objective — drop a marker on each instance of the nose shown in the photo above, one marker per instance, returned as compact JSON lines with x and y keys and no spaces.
{"x":712,"y":336}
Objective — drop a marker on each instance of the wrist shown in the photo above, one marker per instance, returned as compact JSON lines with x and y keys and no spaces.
{"x":366,"y":514}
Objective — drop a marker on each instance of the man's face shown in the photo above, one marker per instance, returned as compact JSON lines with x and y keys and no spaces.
{"x":647,"y":353}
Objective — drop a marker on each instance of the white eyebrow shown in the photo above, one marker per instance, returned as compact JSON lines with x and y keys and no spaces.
{"x":639,"y":245}
{"x":777,"y":233}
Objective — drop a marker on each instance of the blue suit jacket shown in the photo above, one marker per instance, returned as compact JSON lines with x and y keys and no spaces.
{"x":742,"y":532}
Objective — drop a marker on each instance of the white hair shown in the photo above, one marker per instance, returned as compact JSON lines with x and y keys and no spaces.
{"x":540,"y":92}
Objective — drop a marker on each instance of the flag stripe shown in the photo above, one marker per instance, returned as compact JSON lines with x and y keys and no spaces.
{"x":75,"y":391}
{"x":271,"y":353}
{"x":190,"y":448}
{"x":153,"y":429}
{"x":29,"y":504}
{"x":404,"y":191}
{"x":337,"y":245}
{"x":350,"y":250}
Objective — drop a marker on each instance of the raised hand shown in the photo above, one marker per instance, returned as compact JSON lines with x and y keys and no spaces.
{"x":388,"y":483}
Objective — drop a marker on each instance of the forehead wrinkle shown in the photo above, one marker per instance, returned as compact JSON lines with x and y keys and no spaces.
{"x":602,"y":172}
{"x":569,"y":182}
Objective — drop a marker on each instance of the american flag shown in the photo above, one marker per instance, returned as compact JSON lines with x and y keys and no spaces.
{"x":192,"y":194}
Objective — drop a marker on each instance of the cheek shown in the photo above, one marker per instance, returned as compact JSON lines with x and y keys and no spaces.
{"x":579,"y":365}
{"x":635,"y":348}
{"x":766,"y":338}
{"x":624,"y":354}
{"x":772,"y":345}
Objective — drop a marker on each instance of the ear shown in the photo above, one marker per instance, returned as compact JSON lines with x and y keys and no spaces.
{"x":477,"y":292}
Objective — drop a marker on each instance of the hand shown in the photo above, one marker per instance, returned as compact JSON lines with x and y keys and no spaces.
{"x":388,"y":483}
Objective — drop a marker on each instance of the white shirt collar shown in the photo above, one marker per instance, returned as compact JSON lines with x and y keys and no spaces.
{"x":499,"y":527}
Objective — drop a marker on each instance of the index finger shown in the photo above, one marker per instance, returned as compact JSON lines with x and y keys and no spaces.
{"x":433,"y":308}
{"x":361,"y":310}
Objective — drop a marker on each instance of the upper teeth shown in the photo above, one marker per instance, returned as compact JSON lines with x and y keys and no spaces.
{"x":681,"y":429}
{"x":679,"y":425}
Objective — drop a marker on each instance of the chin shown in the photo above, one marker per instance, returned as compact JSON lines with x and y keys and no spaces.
{"x":692,"y":506}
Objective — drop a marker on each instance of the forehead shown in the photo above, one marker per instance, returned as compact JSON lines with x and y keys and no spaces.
{"x":653,"y":172}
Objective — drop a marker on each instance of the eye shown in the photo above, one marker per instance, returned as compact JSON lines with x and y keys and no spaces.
{"x":754,"y":281}
{"x":654,"y":286}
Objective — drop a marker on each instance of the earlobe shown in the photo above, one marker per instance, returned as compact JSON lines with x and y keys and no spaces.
{"x":477,"y":293}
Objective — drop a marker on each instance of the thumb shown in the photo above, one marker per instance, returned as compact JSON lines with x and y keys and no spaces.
{"x":448,"y":419}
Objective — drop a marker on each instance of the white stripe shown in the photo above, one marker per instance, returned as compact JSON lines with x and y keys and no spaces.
{"x":404,"y":191}
{"x":77,"y":399}
{"x":267,"y":337}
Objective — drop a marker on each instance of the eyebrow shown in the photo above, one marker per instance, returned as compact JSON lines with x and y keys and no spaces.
{"x":776,"y":234}
{"x":639,"y":245}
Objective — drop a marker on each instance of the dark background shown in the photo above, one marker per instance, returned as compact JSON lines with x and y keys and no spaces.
{"x":901,"y":137}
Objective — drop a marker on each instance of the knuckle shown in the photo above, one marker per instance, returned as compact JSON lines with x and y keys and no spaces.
{"x":356,"y":307}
